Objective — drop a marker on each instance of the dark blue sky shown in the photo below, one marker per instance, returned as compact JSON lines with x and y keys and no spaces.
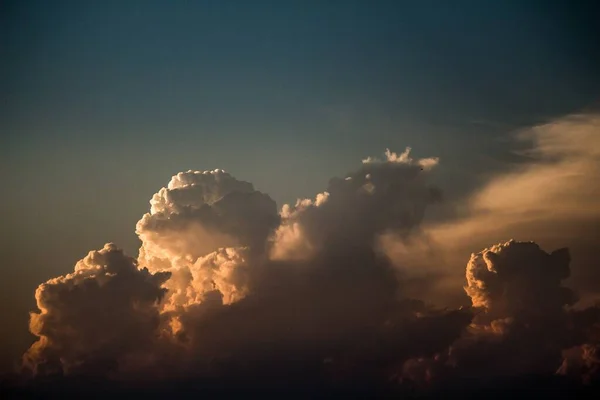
{"x":102,"y":101}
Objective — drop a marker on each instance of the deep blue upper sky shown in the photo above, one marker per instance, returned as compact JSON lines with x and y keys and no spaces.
{"x":102,"y":101}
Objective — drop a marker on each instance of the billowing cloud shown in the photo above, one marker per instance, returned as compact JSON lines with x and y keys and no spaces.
{"x":519,"y":280}
{"x":550,"y":197}
{"x":200,"y":212}
{"x":321,"y":285}
{"x":93,"y":319}
{"x":197,"y":229}
{"x":336,"y":286}
{"x":381,"y":196}
{"x":518,"y":287}
{"x":247,"y":285}
{"x":523,"y":322}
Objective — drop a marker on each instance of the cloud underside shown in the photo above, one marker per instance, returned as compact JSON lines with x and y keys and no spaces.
{"x":227,"y":285}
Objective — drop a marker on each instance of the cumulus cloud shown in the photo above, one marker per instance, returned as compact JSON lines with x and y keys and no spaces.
{"x":519,"y":280}
{"x":200,"y":212}
{"x":91,"y":320}
{"x":331,"y":287}
{"x":519,"y":288}
{"x":249,"y":286}
{"x":550,"y":197}
{"x":321,"y":286}
{"x":381,"y":196}
{"x":198,"y":229}
{"x":523,"y":322}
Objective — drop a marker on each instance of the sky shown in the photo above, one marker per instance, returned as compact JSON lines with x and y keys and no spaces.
{"x":103,"y":102}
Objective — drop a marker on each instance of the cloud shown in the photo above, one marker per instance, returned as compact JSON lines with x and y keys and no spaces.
{"x":381,"y":196}
{"x":200,"y":212}
{"x":523,"y":322}
{"x":92,"y":319}
{"x":556,"y":184}
{"x":518,"y":287}
{"x":321,"y":285}
{"x":404,"y":158}
{"x":582,"y":360}
{"x":349,"y":283}
{"x":198,"y":228}
{"x":248,"y":286}
{"x":550,"y":197}
{"x":519,"y":280}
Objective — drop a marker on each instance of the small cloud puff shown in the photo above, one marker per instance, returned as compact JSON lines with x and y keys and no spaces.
{"x":404,"y":158}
